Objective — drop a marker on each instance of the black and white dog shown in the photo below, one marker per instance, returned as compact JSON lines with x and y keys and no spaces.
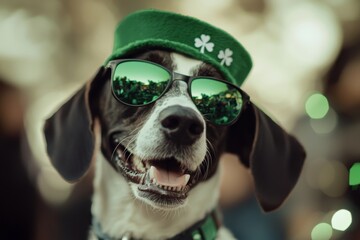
{"x":136,"y":148}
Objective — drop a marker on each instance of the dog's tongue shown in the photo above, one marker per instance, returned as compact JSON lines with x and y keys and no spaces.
{"x":168,"y":178}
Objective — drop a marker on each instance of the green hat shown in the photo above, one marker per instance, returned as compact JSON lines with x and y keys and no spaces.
{"x":154,"y":29}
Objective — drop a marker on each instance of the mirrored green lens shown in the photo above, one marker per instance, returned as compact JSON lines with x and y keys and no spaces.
{"x":218,"y":101}
{"x":139,"y":83}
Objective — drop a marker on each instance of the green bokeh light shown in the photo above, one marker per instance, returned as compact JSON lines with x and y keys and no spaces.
{"x":354,"y":175}
{"x":322,"y":231}
{"x":317,"y":106}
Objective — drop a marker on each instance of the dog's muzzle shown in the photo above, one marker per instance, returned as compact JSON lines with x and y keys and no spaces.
{"x":166,"y":178}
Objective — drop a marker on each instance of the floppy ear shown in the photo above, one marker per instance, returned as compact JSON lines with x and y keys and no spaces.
{"x":69,"y":132}
{"x":274,"y":157}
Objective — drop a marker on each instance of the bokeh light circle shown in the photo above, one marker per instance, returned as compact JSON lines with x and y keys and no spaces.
{"x":341,"y":220}
{"x":317,"y":106}
{"x":321,"y":231}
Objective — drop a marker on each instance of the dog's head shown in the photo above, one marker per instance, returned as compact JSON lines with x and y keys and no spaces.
{"x":164,"y":149}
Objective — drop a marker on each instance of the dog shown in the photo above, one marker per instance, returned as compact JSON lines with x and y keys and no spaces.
{"x":157,"y":166}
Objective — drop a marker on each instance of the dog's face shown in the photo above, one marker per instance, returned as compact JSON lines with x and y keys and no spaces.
{"x":166,"y":148}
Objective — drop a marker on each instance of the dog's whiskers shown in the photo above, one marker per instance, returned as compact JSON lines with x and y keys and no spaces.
{"x":114,"y":153}
{"x":131,"y":141}
{"x":132,"y":138}
{"x":205,"y":174}
{"x":207,"y":161}
{"x":131,"y":135}
{"x":209,"y":144}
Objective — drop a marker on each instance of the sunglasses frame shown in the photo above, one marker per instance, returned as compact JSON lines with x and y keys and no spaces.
{"x":176,"y":77}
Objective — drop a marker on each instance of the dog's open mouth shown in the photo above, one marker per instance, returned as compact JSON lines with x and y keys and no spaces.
{"x":165,"y":180}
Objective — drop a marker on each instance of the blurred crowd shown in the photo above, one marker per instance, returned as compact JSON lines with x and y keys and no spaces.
{"x":306,"y":74}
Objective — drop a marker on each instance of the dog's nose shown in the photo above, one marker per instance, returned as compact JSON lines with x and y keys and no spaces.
{"x":181,"y":125}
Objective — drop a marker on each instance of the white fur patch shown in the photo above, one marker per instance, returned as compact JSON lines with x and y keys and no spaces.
{"x":185,"y":65}
{"x":119,"y":212}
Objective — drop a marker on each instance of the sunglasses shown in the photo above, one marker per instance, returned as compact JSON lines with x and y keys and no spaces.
{"x":139,"y":83}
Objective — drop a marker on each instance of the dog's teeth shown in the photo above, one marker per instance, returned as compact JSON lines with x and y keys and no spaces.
{"x":151,"y":172}
{"x":120,"y":154}
{"x":138,"y":163}
{"x":187,"y":177}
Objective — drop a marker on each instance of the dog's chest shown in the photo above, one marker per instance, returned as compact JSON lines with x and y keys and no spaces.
{"x":119,"y":212}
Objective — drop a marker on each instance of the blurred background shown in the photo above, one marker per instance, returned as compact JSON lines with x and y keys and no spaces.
{"x":306,"y":75}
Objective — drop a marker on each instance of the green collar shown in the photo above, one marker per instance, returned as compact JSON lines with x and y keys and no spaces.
{"x":205,"y":229}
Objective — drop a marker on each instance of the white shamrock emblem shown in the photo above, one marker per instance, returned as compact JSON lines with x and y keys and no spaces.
{"x":225,"y":57}
{"x":203,"y":43}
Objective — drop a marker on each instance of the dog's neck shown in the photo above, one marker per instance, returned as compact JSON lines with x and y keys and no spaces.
{"x":119,"y":212}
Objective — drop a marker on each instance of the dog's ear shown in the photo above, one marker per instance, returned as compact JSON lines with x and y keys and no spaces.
{"x":70,"y":134}
{"x":274,"y":157}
